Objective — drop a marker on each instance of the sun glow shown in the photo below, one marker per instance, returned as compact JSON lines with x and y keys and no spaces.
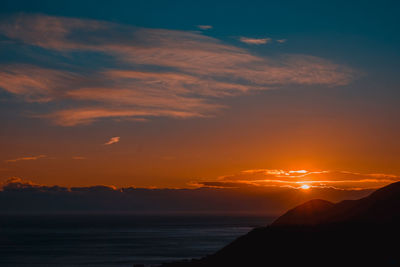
{"x":305,"y":187}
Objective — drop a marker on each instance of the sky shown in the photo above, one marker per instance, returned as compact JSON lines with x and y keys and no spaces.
{"x":184,"y":94}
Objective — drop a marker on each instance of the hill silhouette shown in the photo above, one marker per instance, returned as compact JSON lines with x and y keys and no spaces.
{"x":308,"y":213}
{"x":381,"y":207}
{"x":362,"y":232}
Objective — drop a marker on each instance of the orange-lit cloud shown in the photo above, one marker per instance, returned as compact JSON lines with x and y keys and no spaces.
{"x":204,"y":27}
{"x":26,"y":158}
{"x":112,"y":140}
{"x":255,"y":41}
{"x":167,"y":73}
{"x":71,"y":117}
{"x":33,"y":83}
{"x":17,"y":182}
{"x":296,"y":178}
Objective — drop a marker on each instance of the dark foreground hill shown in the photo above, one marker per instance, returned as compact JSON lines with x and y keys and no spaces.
{"x":362,"y":232}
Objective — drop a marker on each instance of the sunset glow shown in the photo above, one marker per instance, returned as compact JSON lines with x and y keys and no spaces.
{"x":305,"y":187}
{"x":154,"y":103}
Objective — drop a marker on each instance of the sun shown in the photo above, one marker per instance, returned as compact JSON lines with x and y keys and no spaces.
{"x":305,"y":187}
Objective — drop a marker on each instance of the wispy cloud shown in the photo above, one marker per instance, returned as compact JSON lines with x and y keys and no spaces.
{"x":34,"y":83}
{"x":112,"y":140}
{"x":72,"y":117}
{"x":26,"y":158}
{"x":162,"y":73}
{"x":255,"y":41}
{"x":204,"y":27}
{"x":260,"y":41}
{"x":343,"y":180}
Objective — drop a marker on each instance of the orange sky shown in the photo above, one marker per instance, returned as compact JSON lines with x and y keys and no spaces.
{"x":153,"y":107}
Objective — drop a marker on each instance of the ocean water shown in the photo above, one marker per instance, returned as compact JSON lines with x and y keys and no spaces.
{"x":116,"y":240}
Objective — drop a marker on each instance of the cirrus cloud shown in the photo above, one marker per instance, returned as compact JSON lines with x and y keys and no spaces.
{"x":153,"y":72}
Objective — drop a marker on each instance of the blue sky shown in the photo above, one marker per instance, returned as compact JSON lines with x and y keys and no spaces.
{"x":360,"y":33}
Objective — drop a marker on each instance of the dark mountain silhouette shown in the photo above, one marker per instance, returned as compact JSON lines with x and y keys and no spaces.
{"x":308,"y":213}
{"x":362,"y":232}
{"x":381,"y":207}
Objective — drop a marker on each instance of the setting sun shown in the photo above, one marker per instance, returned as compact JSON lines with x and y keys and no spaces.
{"x":305,"y":187}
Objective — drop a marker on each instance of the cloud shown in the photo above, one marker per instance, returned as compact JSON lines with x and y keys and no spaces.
{"x":95,"y":189}
{"x":71,"y":117}
{"x":20,"y":195}
{"x":205,"y":27}
{"x":26,"y":158}
{"x":112,"y":140}
{"x":150,"y":72}
{"x":19,"y":184}
{"x":281,"y":41}
{"x":342,"y":180}
{"x":221,"y":184}
{"x":255,"y":41}
{"x":35,"y":84}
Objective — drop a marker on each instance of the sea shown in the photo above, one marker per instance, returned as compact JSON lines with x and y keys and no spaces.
{"x":116,"y":239}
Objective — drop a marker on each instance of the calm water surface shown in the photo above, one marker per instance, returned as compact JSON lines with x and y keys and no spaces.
{"x":115,"y":240}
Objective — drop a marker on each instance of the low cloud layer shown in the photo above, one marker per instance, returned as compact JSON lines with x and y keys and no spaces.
{"x":19,"y":184}
{"x":145,"y":72}
{"x":19,"y":196}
